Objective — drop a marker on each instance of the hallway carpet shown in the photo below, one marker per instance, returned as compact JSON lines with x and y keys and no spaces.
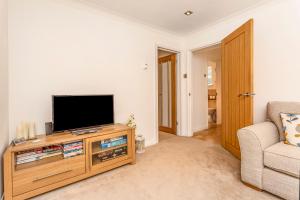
{"x":177,"y":168}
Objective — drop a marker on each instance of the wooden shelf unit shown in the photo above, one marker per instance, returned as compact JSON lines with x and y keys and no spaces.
{"x":27,"y":180}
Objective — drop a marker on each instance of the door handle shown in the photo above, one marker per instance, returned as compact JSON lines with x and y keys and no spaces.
{"x":247,"y":94}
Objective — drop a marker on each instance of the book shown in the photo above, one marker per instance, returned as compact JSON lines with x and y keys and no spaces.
{"x":27,"y":161}
{"x":112,"y":154}
{"x":75,"y":153}
{"x":73,"y":144}
{"x":113,"y":143}
{"x":71,"y":151}
{"x":113,"y":139}
{"x":30,"y":157}
{"x":29,"y":152}
{"x":72,"y":148}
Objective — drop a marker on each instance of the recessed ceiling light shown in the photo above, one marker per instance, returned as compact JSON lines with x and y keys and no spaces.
{"x":188,"y":13}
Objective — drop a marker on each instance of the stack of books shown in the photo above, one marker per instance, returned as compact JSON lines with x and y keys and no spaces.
{"x":107,"y":155}
{"x":73,"y":149}
{"x":38,"y":154}
{"x":113,"y":142}
{"x":50,"y":151}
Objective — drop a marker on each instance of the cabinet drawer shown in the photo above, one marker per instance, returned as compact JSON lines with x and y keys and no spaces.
{"x":40,"y":176}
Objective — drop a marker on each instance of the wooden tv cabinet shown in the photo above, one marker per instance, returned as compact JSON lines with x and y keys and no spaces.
{"x":22,"y":181}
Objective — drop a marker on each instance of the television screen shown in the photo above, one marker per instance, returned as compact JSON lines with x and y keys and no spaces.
{"x":74,"y":112}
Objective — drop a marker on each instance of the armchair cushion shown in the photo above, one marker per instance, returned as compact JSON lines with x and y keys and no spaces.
{"x":283,"y":158}
{"x":277,"y":107}
{"x":291,"y":128}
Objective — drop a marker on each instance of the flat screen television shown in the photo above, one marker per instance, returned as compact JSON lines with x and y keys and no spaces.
{"x":76,"y":112}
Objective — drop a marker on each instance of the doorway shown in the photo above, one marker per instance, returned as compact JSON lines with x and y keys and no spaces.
{"x":237,"y":87}
{"x":206,"y":89}
{"x":167,"y":92}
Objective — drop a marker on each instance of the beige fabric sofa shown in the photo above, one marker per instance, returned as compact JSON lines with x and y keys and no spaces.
{"x":266,"y":162}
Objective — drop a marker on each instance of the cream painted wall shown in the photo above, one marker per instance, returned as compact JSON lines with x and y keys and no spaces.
{"x":66,"y":47}
{"x":199,"y":92}
{"x":276,"y":41}
{"x":201,"y":59}
{"x":3,"y":84}
{"x":219,"y":93}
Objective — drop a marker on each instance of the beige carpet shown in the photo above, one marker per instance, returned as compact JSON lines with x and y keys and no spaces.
{"x":176,"y":169}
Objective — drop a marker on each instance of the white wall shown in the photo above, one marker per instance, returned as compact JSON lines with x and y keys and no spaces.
{"x":219,"y":93}
{"x":3,"y":84}
{"x":276,"y":48}
{"x":201,"y":59}
{"x":199,"y":92}
{"x":67,"y":47}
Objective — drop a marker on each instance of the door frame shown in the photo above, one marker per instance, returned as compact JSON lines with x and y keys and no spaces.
{"x":189,"y":54}
{"x":189,"y":83}
{"x":179,"y":64}
{"x":204,"y":106}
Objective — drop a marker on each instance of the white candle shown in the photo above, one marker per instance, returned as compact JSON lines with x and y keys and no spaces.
{"x":24,"y":130}
{"x":32,"y":131}
{"x":19,"y":132}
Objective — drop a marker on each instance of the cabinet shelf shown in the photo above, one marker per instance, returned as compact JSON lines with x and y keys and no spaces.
{"x":39,"y":162}
{"x":44,"y":155}
{"x":96,"y":161}
{"x":97,"y":149}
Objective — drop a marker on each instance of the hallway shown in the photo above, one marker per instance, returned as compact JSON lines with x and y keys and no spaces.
{"x":213,"y":134}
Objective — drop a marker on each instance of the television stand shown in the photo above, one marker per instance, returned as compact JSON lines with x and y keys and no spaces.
{"x":33,"y":168}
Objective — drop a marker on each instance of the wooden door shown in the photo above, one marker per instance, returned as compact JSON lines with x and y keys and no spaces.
{"x":237,"y":85}
{"x":167,"y":94}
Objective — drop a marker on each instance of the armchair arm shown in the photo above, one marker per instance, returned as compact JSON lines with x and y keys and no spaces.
{"x":253,"y":141}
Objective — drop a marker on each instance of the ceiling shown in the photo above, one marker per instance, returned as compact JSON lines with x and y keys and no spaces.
{"x":168,"y":14}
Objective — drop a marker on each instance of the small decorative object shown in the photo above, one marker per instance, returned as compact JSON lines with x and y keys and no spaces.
{"x":18,"y":141}
{"x":131,"y":121}
{"x":140,"y":144}
{"x":49,"y":128}
{"x":32,"y":131}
